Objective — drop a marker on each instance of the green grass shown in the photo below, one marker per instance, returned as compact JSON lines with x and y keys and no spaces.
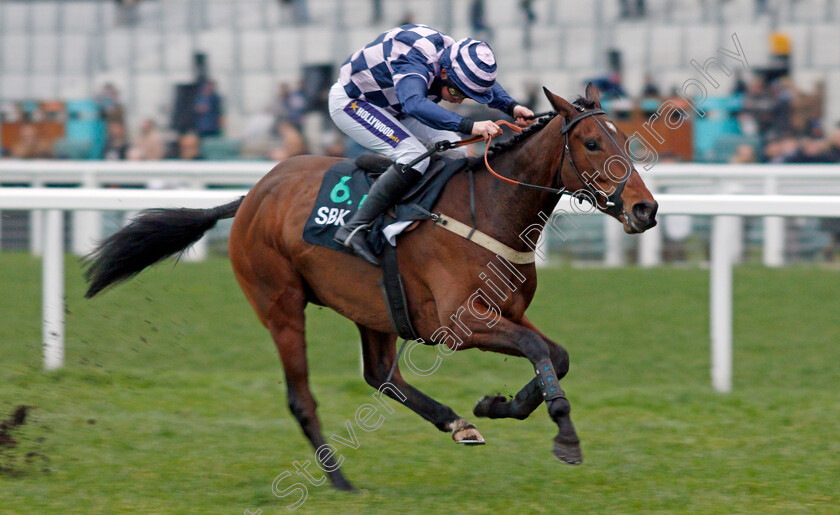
{"x":173,"y":400}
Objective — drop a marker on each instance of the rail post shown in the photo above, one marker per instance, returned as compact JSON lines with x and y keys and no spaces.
{"x":52,"y":289}
{"x":614,"y":253}
{"x":650,"y":242}
{"x":774,"y":231}
{"x":724,"y":232}
{"x":87,"y":225}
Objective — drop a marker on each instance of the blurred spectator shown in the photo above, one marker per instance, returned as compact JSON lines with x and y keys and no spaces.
{"x":744,"y":154}
{"x":530,"y":19}
{"x":757,"y":111}
{"x":740,"y":85}
{"x":783,"y":93}
{"x":299,"y":8}
{"x":127,"y":12}
{"x":815,"y":130}
{"x":632,"y":8}
{"x":650,"y":89}
{"x":610,"y":86}
{"x":208,"y":110}
{"x":478,"y":21}
{"x":780,"y":149}
{"x":291,"y":143}
{"x":116,"y":142}
{"x":811,"y":151}
{"x":189,"y":147}
{"x":290,"y":105}
{"x":150,"y":145}
{"x":377,"y":11}
{"x":29,"y":145}
{"x":110,"y":107}
{"x":808,"y":108}
{"x":408,"y":19}
{"x":833,"y":152}
{"x":532,"y":95}
{"x":605,"y":85}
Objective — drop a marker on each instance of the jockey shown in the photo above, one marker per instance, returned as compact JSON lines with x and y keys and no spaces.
{"x":386,"y":99}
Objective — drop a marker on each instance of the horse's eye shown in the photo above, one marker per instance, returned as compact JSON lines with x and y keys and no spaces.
{"x":591,"y":145}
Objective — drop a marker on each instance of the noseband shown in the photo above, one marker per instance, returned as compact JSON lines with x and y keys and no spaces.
{"x":613,"y":202}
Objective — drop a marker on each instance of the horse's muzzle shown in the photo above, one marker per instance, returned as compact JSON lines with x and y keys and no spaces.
{"x":643,"y":215}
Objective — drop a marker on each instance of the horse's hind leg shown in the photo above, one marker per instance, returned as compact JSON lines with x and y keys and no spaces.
{"x":277,"y":294}
{"x":287,"y":330}
{"x":379,"y":354}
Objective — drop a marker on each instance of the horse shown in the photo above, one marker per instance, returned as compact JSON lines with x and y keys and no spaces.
{"x":442,"y":272}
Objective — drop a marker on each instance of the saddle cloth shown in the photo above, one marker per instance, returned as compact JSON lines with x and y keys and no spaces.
{"x":345,"y":186}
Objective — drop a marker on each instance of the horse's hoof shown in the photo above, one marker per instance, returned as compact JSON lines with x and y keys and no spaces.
{"x":466,"y":433}
{"x":484,"y":407}
{"x":345,"y":486}
{"x":568,"y":453}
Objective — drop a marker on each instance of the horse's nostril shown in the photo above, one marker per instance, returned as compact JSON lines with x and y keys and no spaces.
{"x":645,"y":211}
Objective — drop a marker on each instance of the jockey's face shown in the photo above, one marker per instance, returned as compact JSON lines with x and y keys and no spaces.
{"x":445,"y":92}
{"x":446,"y":95}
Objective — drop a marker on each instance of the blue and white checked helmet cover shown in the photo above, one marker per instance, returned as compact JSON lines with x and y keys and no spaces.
{"x":471,"y":65}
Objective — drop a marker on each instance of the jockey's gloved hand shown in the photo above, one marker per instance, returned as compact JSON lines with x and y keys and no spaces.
{"x":486,"y":129}
{"x":523,"y":116}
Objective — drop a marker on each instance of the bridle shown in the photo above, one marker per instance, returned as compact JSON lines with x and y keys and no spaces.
{"x":612,"y":201}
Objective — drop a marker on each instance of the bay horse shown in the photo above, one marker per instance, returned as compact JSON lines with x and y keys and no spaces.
{"x":280,"y":273}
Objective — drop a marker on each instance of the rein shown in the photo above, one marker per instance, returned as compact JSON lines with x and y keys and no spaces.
{"x":612,"y":200}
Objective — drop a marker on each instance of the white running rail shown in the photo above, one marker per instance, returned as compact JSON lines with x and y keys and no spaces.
{"x":725,"y":208}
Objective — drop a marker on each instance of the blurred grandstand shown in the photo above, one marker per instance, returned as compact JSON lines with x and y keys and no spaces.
{"x":85,"y":79}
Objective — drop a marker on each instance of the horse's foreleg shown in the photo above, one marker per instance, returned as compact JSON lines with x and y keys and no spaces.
{"x":551,"y":362}
{"x":379,"y":354}
{"x":530,"y":396}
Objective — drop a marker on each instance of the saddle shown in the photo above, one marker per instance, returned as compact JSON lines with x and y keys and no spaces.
{"x":375,"y":165}
{"x":344,"y":188}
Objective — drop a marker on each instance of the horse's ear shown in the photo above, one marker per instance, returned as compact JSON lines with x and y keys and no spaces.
{"x":593,"y":95}
{"x":560,"y":105}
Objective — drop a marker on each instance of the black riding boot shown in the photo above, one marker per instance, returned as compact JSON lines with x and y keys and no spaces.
{"x":384,"y":193}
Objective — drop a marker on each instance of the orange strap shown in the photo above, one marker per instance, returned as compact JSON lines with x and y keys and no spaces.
{"x":476,"y":139}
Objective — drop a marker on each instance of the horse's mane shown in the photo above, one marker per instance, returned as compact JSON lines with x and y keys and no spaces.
{"x":504,"y":146}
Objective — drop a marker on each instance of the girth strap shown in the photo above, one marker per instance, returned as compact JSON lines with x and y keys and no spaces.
{"x":484,"y":240}
{"x":394,"y":292}
{"x":479,"y":238}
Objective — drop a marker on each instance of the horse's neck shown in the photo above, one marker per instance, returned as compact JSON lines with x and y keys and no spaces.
{"x":508,"y":210}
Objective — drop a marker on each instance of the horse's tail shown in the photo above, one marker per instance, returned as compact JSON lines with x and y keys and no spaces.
{"x":155,"y":234}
